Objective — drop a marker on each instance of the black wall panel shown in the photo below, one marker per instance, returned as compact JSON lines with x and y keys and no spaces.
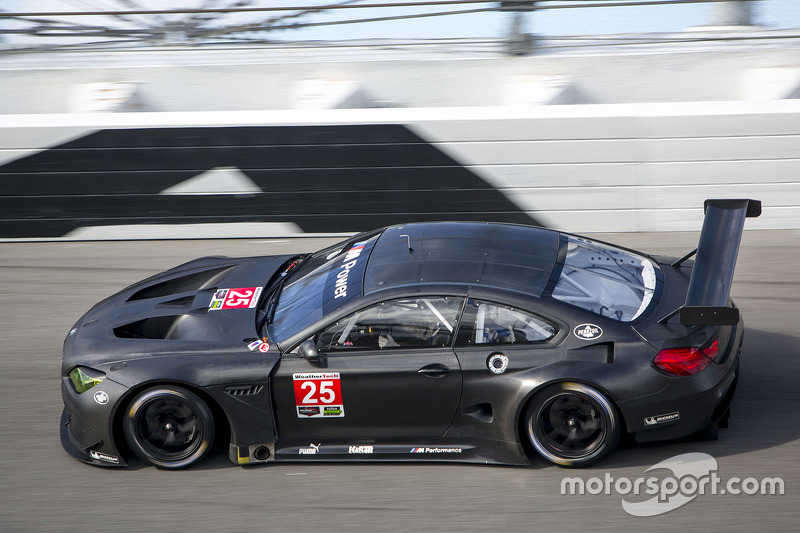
{"x":325,"y":179}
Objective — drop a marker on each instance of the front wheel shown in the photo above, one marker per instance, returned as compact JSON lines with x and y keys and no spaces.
{"x":169,"y":426}
{"x":572,"y":424}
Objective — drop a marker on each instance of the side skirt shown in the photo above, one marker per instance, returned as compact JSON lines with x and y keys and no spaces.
{"x":287,"y":450}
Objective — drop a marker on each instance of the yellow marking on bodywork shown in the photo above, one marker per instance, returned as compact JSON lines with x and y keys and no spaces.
{"x":243,"y":460}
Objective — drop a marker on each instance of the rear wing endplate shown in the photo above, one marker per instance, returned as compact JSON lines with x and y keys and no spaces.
{"x":712,"y":275}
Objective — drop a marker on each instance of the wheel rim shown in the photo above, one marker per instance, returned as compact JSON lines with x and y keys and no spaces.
{"x":166,"y":429}
{"x":573,"y":426}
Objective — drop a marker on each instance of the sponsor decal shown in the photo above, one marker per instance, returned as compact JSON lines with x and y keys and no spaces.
{"x":360,"y":449}
{"x":588,"y":332}
{"x":497,"y":363}
{"x":261,"y":346}
{"x":101,"y":397}
{"x":435,"y":450}
{"x":240,"y":298}
{"x":304,"y":412}
{"x":350,"y":260}
{"x":312,"y":449}
{"x":345,"y":277}
{"x":660,"y":419}
{"x":100,"y":456}
{"x":318,"y":394}
{"x":289,"y":268}
{"x":220,"y":294}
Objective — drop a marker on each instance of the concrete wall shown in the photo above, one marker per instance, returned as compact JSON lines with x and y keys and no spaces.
{"x":579,"y":168}
{"x":697,"y":66}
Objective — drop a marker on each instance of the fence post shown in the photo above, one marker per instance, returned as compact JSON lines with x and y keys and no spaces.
{"x":733,"y":13}
{"x":518,"y":42}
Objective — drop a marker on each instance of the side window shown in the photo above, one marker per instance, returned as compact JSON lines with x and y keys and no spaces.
{"x":402,"y":323}
{"x":490,"y":323}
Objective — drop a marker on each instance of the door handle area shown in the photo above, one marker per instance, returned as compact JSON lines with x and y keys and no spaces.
{"x":435,"y":370}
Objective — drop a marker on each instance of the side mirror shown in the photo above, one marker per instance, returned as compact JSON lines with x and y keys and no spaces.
{"x":308,"y":350}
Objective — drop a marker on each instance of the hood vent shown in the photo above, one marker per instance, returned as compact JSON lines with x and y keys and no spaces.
{"x":149,"y":328}
{"x":184,"y":302}
{"x":188,"y":283}
{"x":187,"y":327}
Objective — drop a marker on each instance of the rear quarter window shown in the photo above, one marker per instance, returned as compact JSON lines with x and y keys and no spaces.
{"x":612,"y":282}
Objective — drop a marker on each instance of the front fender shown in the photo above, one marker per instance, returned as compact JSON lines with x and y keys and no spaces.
{"x":237,"y":386}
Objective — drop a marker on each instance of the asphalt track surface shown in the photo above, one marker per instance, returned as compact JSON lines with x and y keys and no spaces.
{"x":47,"y":286}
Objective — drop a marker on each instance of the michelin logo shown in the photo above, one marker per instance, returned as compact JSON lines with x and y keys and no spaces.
{"x":100,"y":456}
{"x":660,"y":419}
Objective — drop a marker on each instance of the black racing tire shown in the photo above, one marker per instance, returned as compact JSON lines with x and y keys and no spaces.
{"x":169,"y":427}
{"x":572,"y":424}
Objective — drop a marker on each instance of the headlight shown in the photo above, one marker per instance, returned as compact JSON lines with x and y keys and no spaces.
{"x":84,"y":378}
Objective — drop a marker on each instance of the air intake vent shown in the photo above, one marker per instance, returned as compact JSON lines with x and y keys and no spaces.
{"x":244,"y":390}
{"x":157,"y":327}
{"x":186,"y":301}
{"x":189,"y":282}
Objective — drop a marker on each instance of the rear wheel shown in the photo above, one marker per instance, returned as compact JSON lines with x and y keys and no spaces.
{"x":572,"y":424}
{"x":169,"y":426}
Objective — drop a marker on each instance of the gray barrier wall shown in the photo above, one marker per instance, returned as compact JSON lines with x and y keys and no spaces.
{"x":582,"y":168}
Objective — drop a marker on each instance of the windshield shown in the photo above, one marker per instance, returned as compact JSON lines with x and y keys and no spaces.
{"x":606,"y":280}
{"x":323,"y":283}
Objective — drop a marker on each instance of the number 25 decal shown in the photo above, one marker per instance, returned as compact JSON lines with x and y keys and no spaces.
{"x":239,"y":299}
{"x":318,"y":395}
{"x":326,"y":392}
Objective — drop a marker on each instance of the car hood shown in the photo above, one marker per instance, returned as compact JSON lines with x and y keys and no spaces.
{"x":206,"y":305}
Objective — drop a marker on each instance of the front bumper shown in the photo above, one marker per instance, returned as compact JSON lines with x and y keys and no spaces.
{"x":87,"y":431}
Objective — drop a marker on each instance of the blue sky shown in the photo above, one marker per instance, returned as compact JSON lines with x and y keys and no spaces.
{"x":590,"y":21}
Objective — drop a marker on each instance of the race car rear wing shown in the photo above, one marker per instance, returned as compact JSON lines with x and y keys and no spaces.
{"x":712,"y":275}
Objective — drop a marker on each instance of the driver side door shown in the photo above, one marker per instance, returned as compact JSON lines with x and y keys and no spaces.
{"x":386,"y":371}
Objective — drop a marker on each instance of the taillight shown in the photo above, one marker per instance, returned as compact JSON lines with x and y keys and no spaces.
{"x":712,"y":350}
{"x":686,"y":361}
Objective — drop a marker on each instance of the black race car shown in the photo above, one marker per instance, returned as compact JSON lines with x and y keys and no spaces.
{"x":475,"y":342}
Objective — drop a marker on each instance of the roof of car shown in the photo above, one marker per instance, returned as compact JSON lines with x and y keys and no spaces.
{"x":510,"y":256}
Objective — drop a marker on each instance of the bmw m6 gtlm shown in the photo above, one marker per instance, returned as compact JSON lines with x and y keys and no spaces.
{"x":450,"y":341}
